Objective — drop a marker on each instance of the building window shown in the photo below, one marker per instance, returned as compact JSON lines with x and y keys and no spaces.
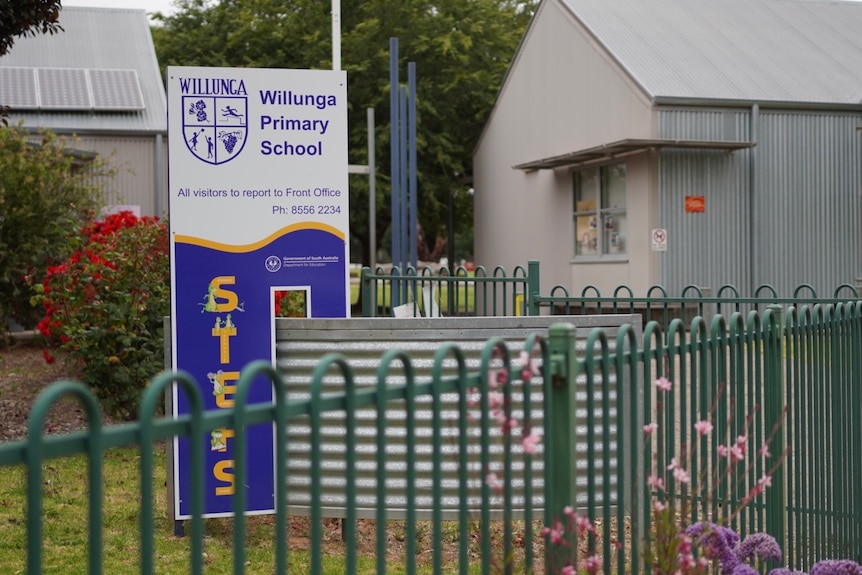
{"x":600,"y":211}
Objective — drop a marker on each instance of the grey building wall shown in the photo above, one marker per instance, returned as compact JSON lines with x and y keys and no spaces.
{"x":561,"y":94}
{"x":783,"y":213}
{"x":133,"y":159}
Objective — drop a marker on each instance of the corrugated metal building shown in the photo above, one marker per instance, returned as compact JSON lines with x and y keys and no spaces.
{"x":99,"y":81}
{"x":733,"y":125}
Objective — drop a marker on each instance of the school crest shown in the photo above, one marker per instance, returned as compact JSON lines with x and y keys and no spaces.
{"x":215,"y":127}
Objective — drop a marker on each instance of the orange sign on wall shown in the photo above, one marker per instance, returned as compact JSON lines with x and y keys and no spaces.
{"x":695,"y":204}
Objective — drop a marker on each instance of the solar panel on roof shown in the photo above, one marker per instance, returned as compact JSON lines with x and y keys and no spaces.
{"x":64,"y":89}
{"x":70,"y":89}
{"x":116,"y":90}
{"x":18,"y":88}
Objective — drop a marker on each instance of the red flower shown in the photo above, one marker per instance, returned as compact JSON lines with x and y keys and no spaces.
{"x":48,"y":357}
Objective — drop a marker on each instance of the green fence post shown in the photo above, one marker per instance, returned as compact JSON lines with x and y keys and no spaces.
{"x":773,"y":395}
{"x":533,"y":287}
{"x":560,"y":444}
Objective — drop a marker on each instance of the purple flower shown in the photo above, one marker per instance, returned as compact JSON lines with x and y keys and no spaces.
{"x":759,"y":545}
{"x":743,"y":569}
{"x":836,"y":567}
{"x":717,"y":543}
{"x":786,"y":571}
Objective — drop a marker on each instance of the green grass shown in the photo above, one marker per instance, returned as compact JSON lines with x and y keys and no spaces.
{"x":464,"y":297}
{"x":65,"y":534}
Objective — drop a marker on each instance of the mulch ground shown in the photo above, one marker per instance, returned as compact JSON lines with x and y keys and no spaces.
{"x":24,"y":373}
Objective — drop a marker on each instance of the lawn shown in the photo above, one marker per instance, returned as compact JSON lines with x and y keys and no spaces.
{"x":65,"y":535}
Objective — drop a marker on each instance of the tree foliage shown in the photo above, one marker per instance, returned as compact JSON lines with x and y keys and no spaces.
{"x":461,"y":48}
{"x":44,"y":193}
{"x":27,"y":18}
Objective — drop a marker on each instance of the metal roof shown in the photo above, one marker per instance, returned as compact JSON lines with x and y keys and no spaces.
{"x":627,"y":147}
{"x":789,"y":51}
{"x":96,"y":39}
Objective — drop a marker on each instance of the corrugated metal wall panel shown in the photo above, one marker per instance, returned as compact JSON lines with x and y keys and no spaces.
{"x":134,"y":160}
{"x":807,"y":205}
{"x":803,"y":228}
{"x":708,"y":249}
{"x":301,"y":343}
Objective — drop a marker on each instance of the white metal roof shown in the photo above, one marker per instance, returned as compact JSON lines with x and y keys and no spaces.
{"x":752,"y":50}
{"x":96,"y":39}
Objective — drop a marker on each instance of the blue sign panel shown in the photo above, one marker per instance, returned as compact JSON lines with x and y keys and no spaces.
{"x":258,"y":202}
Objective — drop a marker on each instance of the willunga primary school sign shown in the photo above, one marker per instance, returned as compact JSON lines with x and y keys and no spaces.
{"x":258,"y":204}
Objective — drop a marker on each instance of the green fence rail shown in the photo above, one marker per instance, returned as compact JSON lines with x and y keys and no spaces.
{"x":421,"y":292}
{"x":785,"y":378}
{"x":497,"y":293}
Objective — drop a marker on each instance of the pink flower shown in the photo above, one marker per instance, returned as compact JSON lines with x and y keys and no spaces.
{"x":555,"y":533}
{"x":583,"y":524}
{"x":703,"y":427}
{"x":592,"y":564}
{"x":658,"y":506}
{"x":529,"y":367}
{"x":492,"y":481}
{"x":736,"y":453}
{"x":722,"y":450}
{"x":568,"y":570}
{"x":530,"y":442}
{"x":495,"y":399}
{"x":761,"y":486}
{"x":496,"y":378}
{"x":741,"y":441}
{"x":764,"y":451}
{"x":650,"y":428}
{"x":679,"y":473}
{"x":663,"y":384}
{"x":569,"y":511}
{"x":655,"y":482}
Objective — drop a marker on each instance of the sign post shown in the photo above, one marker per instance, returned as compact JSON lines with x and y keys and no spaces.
{"x":258,"y":203}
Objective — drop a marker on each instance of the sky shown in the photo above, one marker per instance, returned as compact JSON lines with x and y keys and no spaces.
{"x":165,"y":6}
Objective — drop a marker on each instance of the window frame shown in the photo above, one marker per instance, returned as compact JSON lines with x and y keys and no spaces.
{"x":597,"y":216}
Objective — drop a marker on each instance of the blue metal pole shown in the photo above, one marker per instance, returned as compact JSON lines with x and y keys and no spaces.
{"x":412,"y":192}
{"x":394,"y":164}
{"x":404,"y":199}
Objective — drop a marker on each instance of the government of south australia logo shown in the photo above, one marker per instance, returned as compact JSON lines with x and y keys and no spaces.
{"x":215,"y":127}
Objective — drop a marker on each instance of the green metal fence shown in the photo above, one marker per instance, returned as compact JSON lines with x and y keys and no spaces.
{"x":498,"y":293}
{"x":459,"y":293}
{"x":788,"y":379}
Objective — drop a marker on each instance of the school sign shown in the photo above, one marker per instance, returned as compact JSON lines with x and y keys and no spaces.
{"x":258,"y":204}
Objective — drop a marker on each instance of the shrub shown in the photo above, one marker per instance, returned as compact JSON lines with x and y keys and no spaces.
{"x":43,"y":196}
{"x":105,"y":304}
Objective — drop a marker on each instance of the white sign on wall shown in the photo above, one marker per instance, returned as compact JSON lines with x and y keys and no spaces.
{"x":659,"y":240}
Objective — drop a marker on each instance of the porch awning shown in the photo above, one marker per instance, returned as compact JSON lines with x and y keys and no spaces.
{"x":627,"y":147}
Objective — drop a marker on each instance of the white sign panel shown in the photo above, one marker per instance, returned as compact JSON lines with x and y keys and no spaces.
{"x":659,"y":240}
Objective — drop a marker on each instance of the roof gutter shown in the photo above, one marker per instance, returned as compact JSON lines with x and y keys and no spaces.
{"x":762,"y":104}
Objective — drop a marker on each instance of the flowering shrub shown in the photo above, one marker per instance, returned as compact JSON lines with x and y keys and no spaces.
{"x":104,"y":306}
{"x":289,"y":304}
{"x":43,"y":195}
{"x":673,"y":547}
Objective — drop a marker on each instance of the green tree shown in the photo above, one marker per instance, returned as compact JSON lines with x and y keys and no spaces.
{"x":462,"y":49}
{"x":44,"y":194}
{"x":27,"y":17}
